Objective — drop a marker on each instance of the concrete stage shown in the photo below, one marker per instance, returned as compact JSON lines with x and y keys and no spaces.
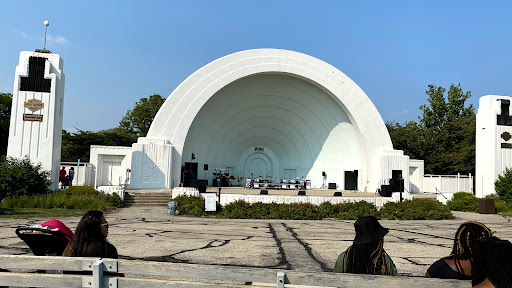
{"x":313,"y":196}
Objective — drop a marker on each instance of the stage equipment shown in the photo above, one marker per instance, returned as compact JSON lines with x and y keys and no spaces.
{"x":205,"y":167}
{"x":324,"y":178}
{"x":332,"y":185}
{"x":264,"y":192}
{"x":201,"y":185}
{"x":337,"y":194}
{"x":301,"y":192}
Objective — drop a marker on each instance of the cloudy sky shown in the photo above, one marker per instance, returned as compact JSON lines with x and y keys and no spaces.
{"x":116,"y":52}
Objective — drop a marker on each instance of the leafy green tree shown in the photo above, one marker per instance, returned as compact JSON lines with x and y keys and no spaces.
{"x":5,"y":118}
{"x":78,"y":145}
{"x":444,"y":136}
{"x":408,"y":138}
{"x":139,"y":119}
{"x":18,"y":177}
{"x":503,"y":186}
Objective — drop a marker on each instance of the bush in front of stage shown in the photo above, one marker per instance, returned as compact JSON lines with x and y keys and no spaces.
{"x":416,"y":209}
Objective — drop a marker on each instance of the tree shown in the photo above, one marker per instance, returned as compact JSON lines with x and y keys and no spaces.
{"x":408,"y":138}
{"x":78,"y":145}
{"x":138,"y":120}
{"x":445,"y":134}
{"x":18,"y":177}
{"x":5,"y":119}
{"x":503,"y":186}
{"x":442,"y":111}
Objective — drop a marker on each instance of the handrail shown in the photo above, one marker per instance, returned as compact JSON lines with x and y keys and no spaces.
{"x":157,"y":274}
{"x":440,"y":193}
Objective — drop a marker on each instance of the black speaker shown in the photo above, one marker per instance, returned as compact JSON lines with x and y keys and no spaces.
{"x":385,"y":191}
{"x":323,"y":173}
{"x":201,"y":185}
{"x":264,"y":192}
{"x":332,"y":185}
{"x":205,"y":167}
{"x":337,"y":194}
{"x":301,"y":192}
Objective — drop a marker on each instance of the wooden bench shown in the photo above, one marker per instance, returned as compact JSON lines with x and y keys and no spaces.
{"x":158,"y":274}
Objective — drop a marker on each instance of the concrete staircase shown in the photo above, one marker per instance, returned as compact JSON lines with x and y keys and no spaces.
{"x":156,"y":197}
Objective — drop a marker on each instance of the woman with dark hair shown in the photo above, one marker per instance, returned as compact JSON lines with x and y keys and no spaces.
{"x":492,"y":263}
{"x":366,"y":255}
{"x":90,"y":239}
{"x":457,"y":265}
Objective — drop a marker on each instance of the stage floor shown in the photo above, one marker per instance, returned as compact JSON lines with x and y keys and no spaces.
{"x":311,"y":192}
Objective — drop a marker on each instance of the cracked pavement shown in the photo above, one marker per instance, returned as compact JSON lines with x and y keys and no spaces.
{"x":148,"y":233}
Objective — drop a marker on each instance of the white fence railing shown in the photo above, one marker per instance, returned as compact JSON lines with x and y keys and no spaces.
{"x":447,"y":185}
{"x":106,"y":273}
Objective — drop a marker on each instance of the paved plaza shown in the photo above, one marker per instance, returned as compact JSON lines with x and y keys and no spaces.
{"x":148,"y":233}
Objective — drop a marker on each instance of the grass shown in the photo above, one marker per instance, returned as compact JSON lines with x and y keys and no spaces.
{"x":42,"y":212}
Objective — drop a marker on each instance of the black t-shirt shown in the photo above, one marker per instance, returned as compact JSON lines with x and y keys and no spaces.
{"x":441,"y":269}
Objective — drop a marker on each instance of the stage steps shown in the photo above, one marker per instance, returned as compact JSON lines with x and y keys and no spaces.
{"x":159,"y":197}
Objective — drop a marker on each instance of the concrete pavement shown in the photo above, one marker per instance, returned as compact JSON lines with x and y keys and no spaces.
{"x":148,"y":233}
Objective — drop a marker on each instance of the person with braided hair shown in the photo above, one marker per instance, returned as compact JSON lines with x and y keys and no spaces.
{"x":366,"y":255}
{"x":458,"y":264}
{"x":492,"y":263}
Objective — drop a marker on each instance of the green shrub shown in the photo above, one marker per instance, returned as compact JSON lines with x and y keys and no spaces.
{"x":502,"y":206}
{"x":73,"y":198}
{"x":189,"y":205}
{"x":236,"y":210}
{"x":353,"y":211}
{"x":416,"y":209}
{"x":463,"y":201}
{"x":18,"y":177}
{"x":503,"y":186}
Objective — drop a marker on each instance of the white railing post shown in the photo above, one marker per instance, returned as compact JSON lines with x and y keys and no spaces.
{"x":280,"y":279}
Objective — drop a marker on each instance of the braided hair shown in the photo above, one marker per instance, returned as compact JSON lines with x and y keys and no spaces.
{"x":367,"y":258}
{"x":465,"y":237}
{"x":493,"y":260}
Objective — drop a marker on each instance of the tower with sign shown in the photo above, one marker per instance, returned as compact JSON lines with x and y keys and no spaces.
{"x":493,"y":142}
{"x":36,"y":115}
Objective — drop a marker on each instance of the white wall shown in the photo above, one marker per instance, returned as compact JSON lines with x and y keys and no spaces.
{"x":491,"y":158}
{"x":40,"y":141}
{"x":101,"y":154}
{"x":350,"y":140}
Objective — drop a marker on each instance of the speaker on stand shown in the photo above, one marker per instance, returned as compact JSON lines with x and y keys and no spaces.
{"x":324,"y":177}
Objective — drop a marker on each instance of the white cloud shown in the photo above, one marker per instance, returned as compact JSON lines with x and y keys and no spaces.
{"x":52,"y":41}
{"x":25,"y":35}
{"x":403,"y":112}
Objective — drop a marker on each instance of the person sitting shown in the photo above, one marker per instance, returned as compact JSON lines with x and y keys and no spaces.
{"x":366,"y":255}
{"x":90,"y":239}
{"x":492,"y":263}
{"x":457,"y":265}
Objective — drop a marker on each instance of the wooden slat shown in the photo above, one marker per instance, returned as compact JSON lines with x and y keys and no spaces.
{"x":235,"y":275}
{"x":42,"y":262}
{"x":39,"y":280}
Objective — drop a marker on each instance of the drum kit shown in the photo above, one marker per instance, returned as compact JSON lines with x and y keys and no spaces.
{"x":221,"y":177}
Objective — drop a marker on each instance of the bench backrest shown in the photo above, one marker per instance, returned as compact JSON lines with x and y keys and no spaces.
{"x":159,"y":274}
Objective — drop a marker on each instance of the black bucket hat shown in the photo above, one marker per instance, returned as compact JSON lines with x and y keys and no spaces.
{"x":368,"y":229}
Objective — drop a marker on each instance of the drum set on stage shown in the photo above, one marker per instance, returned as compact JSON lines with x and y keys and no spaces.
{"x":221,"y":178}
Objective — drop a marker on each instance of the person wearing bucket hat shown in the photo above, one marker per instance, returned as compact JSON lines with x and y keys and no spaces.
{"x":366,"y":255}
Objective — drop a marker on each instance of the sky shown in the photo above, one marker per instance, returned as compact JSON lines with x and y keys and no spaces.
{"x":116,"y":52}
